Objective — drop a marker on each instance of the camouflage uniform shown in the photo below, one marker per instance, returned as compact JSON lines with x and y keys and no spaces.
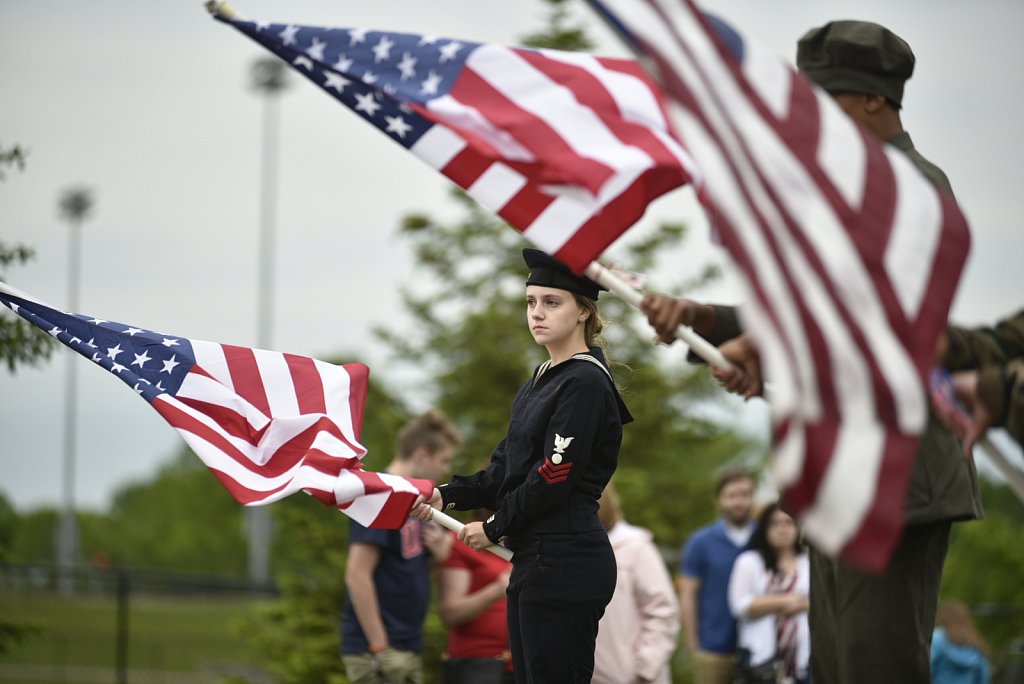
{"x":878,"y":628}
{"x":998,"y":354}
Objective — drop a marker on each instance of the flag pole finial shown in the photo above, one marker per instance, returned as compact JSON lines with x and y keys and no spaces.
{"x":220,"y":8}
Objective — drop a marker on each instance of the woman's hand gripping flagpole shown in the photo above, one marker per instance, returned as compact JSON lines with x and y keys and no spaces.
{"x":425,"y":511}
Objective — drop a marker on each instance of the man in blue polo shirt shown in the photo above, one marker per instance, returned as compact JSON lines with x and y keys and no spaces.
{"x":704,"y":579}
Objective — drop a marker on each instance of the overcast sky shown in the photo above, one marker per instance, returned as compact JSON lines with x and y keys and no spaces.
{"x":147,"y":104}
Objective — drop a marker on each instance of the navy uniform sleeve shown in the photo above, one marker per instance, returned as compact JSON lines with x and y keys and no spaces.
{"x":568,"y":443}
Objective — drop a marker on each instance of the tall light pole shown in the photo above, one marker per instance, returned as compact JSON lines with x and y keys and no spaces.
{"x":269,"y":80}
{"x":75,"y":205}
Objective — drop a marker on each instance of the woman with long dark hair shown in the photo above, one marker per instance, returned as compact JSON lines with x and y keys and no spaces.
{"x":768,"y":592}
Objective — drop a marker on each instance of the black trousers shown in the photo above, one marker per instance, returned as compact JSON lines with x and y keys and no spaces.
{"x":878,"y":628}
{"x":557,"y":593}
{"x":475,"y":671}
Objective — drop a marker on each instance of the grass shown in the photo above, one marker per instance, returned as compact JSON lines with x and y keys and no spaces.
{"x":185,"y":634}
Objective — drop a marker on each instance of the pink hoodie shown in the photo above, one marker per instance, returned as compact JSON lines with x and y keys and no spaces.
{"x":637,"y":635}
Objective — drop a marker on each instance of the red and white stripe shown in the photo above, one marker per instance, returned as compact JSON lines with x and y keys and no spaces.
{"x":567,"y":148}
{"x":850,"y":258}
{"x":270,"y":424}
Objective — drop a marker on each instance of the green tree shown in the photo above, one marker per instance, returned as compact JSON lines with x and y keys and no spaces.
{"x":20,"y":342}
{"x":182,"y":520}
{"x":8,"y":529}
{"x":983,"y":568}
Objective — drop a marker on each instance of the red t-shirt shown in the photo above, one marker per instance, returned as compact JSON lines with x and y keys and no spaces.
{"x":487,"y":635}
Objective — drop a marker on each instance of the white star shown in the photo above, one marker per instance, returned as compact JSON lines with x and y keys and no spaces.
{"x":303,"y":61}
{"x":136,"y":388}
{"x":397,"y":125}
{"x":389,"y":89}
{"x":14,"y":307}
{"x":112,"y":352}
{"x":97,"y":321}
{"x":407,"y":66}
{"x":159,"y":386}
{"x":369,"y":78}
{"x":427,"y":40}
{"x":382,"y":50}
{"x":170,"y":342}
{"x":288,"y":35}
{"x":74,"y":340}
{"x":316,"y":50}
{"x":429,"y":86}
{"x":90,"y":342}
{"x":133,"y":331}
{"x":96,"y":357}
{"x":336,"y":81}
{"x":367,"y":104}
{"x":343,"y":63}
{"x":448,"y":51}
{"x":260,"y":25}
{"x":117,"y":368}
{"x":140,"y":359}
{"x":145,"y":381}
{"x":169,"y":365}
{"x":356,"y":36}
{"x":55,"y":331}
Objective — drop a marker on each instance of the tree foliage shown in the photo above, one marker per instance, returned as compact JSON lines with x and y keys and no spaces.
{"x":20,"y":342}
{"x":984,"y":564}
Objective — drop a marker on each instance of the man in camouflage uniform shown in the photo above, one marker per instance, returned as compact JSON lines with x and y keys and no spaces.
{"x":990,"y":380}
{"x":878,"y":628}
{"x":866,"y":628}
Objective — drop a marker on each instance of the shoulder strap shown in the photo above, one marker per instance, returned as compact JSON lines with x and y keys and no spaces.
{"x":591,"y":359}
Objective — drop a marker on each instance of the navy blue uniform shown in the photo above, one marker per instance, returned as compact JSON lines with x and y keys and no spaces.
{"x":543,"y":483}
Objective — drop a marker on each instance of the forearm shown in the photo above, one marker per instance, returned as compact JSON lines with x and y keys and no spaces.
{"x":688,"y":610}
{"x":765,"y":605}
{"x":968,"y":348}
{"x":1002,"y":392}
{"x":363,"y":594}
{"x":464,"y":609}
{"x":656,"y":643}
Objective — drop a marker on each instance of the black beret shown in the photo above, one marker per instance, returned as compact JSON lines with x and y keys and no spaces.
{"x":547,"y":271}
{"x":856,"y":56}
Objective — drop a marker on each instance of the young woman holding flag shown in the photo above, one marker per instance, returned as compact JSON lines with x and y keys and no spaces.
{"x":544,"y":481}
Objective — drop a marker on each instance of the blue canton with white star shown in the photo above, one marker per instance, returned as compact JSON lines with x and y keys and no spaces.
{"x":149,"y":362}
{"x":374,"y":73}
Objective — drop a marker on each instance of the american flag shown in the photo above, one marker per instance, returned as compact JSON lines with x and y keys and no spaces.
{"x":267,"y":424}
{"x":568,"y":148}
{"x":849,"y":256}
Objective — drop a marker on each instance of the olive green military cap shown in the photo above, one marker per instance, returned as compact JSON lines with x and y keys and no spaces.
{"x":857,"y":56}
